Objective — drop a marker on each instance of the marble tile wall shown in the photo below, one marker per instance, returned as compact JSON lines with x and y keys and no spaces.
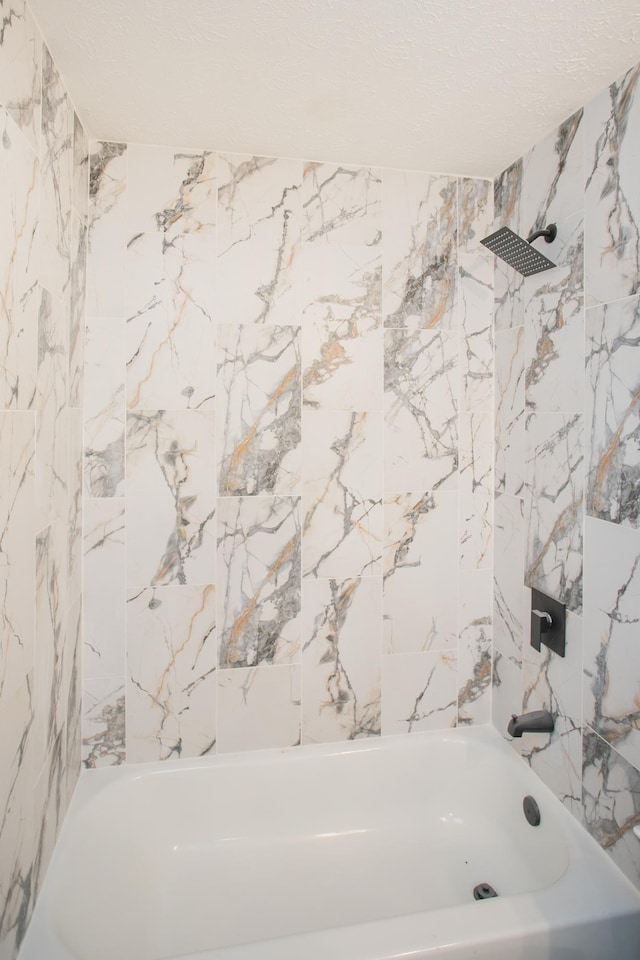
{"x":567,"y":469}
{"x":43,"y":209}
{"x":287,"y":453}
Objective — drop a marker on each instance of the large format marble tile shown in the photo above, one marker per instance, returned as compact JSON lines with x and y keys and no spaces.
{"x":506,"y":695}
{"x":74,"y":502}
{"x":51,"y":795}
{"x":553,"y":176}
{"x":50,"y":406}
{"x":341,"y":659}
{"x":509,"y":614}
{"x":341,"y":327}
{"x":17,"y":550}
{"x":21,"y":757}
{"x":171,"y":679}
{"x":612,"y":195}
{"x":259,"y":225}
{"x":613,"y":412}
{"x":341,"y":204}
{"x":612,"y":651}
{"x":476,"y":490}
{"x":104,"y":588}
{"x":555,"y":488}
{"x":73,"y":724}
{"x":107,"y":239}
{"x":554,"y":325}
{"x":419,"y":259}
{"x":54,"y":656}
{"x":474,"y":646}
{"x":171,"y":251}
{"x":103,"y":722}
{"x":555,"y":684}
{"x":420,"y":572}
{"x":258,"y":580}
{"x":611,"y":803}
{"x":80,"y":195}
{"x":475,"y":294}
{"x":57,"y":176}
{"x":342,"y":498}
{"x":20,"y":68}
{"x":341,"y":282}
{"x":342,"y":364}
{"x":19,"y":210}
{"x":77,"y":310}
{"x":104,"y":409}
{"x":170,"y":498}
{"x":421,"y":410}
{"x":419,"y":692}
{"x":259,"y":410}
{"x":508,"y":283}
{"x":509,"y":417}
{"x":258,"y":708}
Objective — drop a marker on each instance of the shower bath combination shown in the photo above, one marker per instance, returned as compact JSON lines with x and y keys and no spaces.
{"x":519,"y":253}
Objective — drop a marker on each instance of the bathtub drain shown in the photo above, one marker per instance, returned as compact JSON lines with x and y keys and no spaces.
{"x":484,"y":891}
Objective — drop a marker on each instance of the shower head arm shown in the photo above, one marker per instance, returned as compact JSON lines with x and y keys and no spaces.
{"x":549,"y":233}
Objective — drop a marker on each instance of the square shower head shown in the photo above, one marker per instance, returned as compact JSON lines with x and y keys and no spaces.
{"x":518,"y":253}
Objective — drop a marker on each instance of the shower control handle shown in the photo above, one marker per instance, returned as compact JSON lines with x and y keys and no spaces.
{"x":541,"y":622}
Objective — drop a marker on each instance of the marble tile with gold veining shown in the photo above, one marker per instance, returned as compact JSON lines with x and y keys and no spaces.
{"x":611,"y":650}
{"x":20,"y":68}
{"x":613,"y":412}
{"x":104,"y":588}
{"x":419,"y":692}
{"x":475,"y":294}
{"x":476,"y":490}
{"x":259,"y":708}
{"x":258,"y":581}
{"x":17,"y":549}
{"x":342,"y":498}
{"x":341,"y":204}
{"x":259,"y":245}
{"x":420,"y":572}
{"x":258,"y":416}
{"x":421,"y":410}
{"x":57,"y":177}
{"x":509,"y":614}
{"x":171,"y":673}
{"x":103,"y":722}
{"x":170,"y":498}
{"x":50,"y":406}
{"x":19,"y":261}
{"x":555,"y":503}
{"x":474,"y":646}
{"x":509,"y":415}
{"x":612,"y":198}
{"x":171,"y":252}
{"x":341,"y":659}
{"x":420,"y":268}
{"x":104,"y":409}
{"x":107,"y":237}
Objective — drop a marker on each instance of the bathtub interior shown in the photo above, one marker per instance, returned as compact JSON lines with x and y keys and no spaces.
{"x":256,"y":848}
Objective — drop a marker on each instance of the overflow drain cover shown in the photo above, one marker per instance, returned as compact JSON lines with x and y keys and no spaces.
{"x":484,"y":891}
{"x":531,"y":811}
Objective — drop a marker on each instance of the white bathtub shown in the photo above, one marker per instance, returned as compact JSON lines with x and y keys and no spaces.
{"x":366,"y":851}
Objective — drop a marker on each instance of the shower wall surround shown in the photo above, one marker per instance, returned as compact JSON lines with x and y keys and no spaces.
{"x":288,"y":453}
{"x":43,"y":206}
{"x":567,"y":466}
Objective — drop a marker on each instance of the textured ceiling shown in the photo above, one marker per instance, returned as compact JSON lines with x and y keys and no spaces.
{"x":460,"y":86}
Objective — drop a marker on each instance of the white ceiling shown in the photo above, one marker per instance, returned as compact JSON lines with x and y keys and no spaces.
{"x":458,"y":86}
